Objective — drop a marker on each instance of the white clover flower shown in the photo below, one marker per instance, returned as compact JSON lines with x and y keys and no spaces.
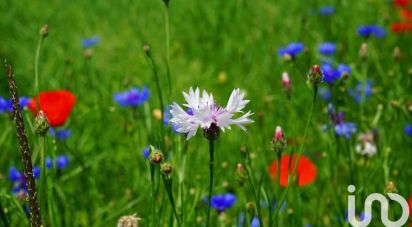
{"x":204,"y":113}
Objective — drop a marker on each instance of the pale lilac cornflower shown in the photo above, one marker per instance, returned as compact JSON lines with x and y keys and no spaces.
{"x":208,"y":115}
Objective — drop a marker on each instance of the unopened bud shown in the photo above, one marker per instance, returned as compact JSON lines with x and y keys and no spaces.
{"x":278,"y":140}
{"x":41,"y":124}
{"x":240,"y":174}
{"x":315,"y":75}
{"x":88,"y":53}
{"x":156,"y":156}
{"x":391,"y":188}
{"x":166,"y":168}
{"x":44,"y":31}
{"x":397,"y":54}
{"x":286,"y":80}
{"x":146,"y":48}
{"x":128,"y":221}
{"x":363,"y":51}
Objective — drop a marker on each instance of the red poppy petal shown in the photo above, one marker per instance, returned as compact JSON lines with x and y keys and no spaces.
{"x":306,"y":171}
{"x":57,"y":105}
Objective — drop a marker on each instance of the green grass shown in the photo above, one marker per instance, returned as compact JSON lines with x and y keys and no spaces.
{"x":108,"y":176}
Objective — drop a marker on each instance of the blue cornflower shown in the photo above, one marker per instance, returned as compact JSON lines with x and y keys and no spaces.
{"x":327,"y":10}
{"x":375,"y":30}
{"x":60,"y":134}
{"x":133,"y":97}
{"x":146,"y":152}
{"x":343,"y":69}
{"x":62,"y":161}
{"x":325,"y":93}
{"x":7,"y":105}
{"x":345,"y":129}
{"x":222,"y":202}
{"x":90,"y":42}
{"x":330,"y":75}
{"x":255,"y":222}
{"x":408,"y":130}
{"x":18,"y":179}
{"x":327,"y":48}
{"x":292,"y":49}
{"x":361,"y":88}
{"x":166,"y":114}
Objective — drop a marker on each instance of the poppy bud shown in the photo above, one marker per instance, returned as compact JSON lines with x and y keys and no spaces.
{"x":156,"y":156}
{"x":315,"y":75}
{"x":44,"y":31}
{"x":166,"y":168}
{"x":211,"y":133}
{"x":41,"y":124}
{"x":279,"y":141}
{"x":128,"y":221}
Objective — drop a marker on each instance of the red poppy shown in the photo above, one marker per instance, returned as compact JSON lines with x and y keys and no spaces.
{"x":305,"y":171}
{"x":406,"y":14}
{"x":402,"y":3}
{"x":57,"y":106}
{"x":410,"y":205}
{"x":401,"y":27}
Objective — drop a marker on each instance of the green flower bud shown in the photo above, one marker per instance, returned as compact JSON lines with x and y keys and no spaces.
{"x":240,"y":174}
{"x":44,"y":31}
{"x":156,"y":156}
{"x":41,"y":124}
{"x":166,"y":168}
{"x":315,"y":75}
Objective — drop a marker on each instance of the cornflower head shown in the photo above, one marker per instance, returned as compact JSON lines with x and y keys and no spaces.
{"x":133,"y":97}
{"x":61,"y":133}
{"x":331,"y":74}
{"x":19,"y":181}
{"x":291,"y":50}
{"x":279,"y":140}
{"x":345,"y":129}
{"x":371,"y":30}
{"x":207,"y":115}
{"x":6,"y":106}
{"x":327,"y":10}
{"x":315,"y":75}
{"x":408,"y":130}
{"x":146,"y":152}
{"x":221,"y":202}
{"x":61,"y":162}
{"x":90,"y":42}
{"x":360,"y":90}
{"x":286,"y":83}
{"x":327,"y":48}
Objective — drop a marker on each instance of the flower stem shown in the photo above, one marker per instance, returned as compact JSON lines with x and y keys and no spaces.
{"x":36,"y":72}
{"x":152,"y":182}
{"x":43,"y":179}
{"x":315,"y":92}
{"x":168,"y":185}
{"x":167,"y":32}
{"x":255,"y":193}
{"x":24,"y":150}
{"x":211,"y":164}
{"x":3,"y":216}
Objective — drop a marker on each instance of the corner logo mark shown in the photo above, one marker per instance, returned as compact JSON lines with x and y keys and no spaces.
{"x":384,"y":209}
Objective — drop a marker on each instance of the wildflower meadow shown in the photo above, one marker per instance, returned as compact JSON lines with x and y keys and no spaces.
{"x":206,"y":113}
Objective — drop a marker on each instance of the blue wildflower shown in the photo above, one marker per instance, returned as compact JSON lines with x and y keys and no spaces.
{"x":90,"y":42}
{"x":146,"y":152}
{"x":241,"y":220}
{"x":327,"y":48}
{"x":330,"y":75}
{"x":375,"y":30}
{"x":361,"y":89}
{"x":255,"y":222}
{"x":61,"y":161}
{"x":60,"y":134}
{"x":325,"y":93}
{"x":345,"y":129}
{"x":222,"y":202}
{"x":18,"y":179}
{"x":327,"y":10}
{"x":408,"y":130}
{"x":292,"y":49}
{"x":3,"y":105}
{"x":134,"y":97}
{"x":7,"y":105}
{"x":343,"y":69}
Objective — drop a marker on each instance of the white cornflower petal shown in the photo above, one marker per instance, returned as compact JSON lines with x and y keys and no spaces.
{"x":205,"y":112}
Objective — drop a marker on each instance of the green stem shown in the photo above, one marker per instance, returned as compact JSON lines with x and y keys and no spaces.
{"x":211,"y":164}
{"x":36,"y":72}
{"x":3,"y":216}
{"x":43,"y":178}
{"x":168,"y":185}
{"x":255,"y":193}
{"x":152,"y":182}
{"x":300,"y":148}
{"x":167,"y":32}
